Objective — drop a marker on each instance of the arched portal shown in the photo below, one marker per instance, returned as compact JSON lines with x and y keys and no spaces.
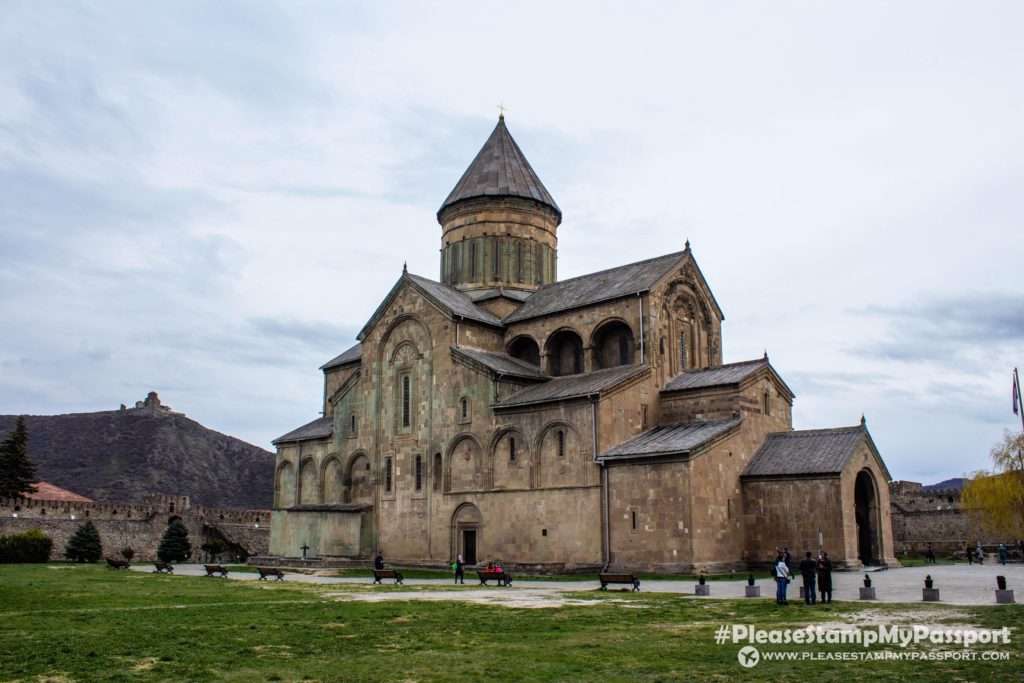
{"x":565,"y":353}
{"x":359,"y":482}
{"x":869,"y":539}
{"x":525,"y":349}
{"x":613,"y":345}
{"x":466,"y":533}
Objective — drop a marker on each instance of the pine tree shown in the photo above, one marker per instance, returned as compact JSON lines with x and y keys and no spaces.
{"x":85,"y":545}
{"x":17,"y":473}
{"x":174,"y":546}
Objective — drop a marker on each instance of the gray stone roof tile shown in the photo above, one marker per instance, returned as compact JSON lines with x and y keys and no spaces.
{"x":573,"y":386}
{"x":350,"y":355}
{"x":502,"y":364}
{"x":806,"y":452}
{"x":673,"y":440}
{"x":454,"y":300}
{"x":500,"y":169}
{"x":595,"y":287}
{"x":730,"y":373}
{"x":320,"y":428}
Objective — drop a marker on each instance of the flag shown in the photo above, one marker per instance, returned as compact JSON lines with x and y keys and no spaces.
{"x":1016,"y":394}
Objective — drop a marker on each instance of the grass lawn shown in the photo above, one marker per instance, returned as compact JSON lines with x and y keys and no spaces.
{"x":70,"y":622}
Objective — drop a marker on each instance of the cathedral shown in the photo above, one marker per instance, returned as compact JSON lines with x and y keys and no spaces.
{"x":500,"y":413}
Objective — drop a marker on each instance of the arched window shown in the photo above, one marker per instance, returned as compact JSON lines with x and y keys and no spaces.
{"x":561,"y":444}
{"x":472,"y":259}
{"x":456,"y":265}
{"x":465,"y":408}
{"x":661,"y":346}
{"x":511,"y":449}
{"x":406,"y":416}
{"x":352,"y":424}
{"x":497,"y":260}
{"x":537,"y":263}
{"x":767,"y":404}
{"x":387,"y":474}
{"x":682,"y":349}
{"x":519,"y":262}
{"x":419,"y":472}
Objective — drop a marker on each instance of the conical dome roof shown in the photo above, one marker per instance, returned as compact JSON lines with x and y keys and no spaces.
{"x":500,"y":170}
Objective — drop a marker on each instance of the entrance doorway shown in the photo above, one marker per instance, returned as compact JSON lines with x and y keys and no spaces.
{"x":469,"y":546}
{"x":866,"y":506}
{"x":467,"y":525}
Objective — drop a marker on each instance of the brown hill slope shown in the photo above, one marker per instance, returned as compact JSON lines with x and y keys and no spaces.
{"x":121,"y":455}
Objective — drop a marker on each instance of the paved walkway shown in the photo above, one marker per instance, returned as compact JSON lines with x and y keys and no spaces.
{"x":959,"y":584}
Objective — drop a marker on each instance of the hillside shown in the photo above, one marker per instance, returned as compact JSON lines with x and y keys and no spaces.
{"x":121,"y":455}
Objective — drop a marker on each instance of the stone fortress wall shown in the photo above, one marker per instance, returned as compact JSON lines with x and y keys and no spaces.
{"x":139,"y":526}
{"x":938,"y":518}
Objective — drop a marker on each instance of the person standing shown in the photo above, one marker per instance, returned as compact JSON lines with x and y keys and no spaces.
{"x":460,"y":574}
{"x":980,"y":554}
{"x":808,"y":572}
{"x":970,"y":554}
{"x":825,"y":577}
{"x":781,"y":580}
{"x":929,"y":556}
{"x":378,"y":562}
{"x":1002,"y":554}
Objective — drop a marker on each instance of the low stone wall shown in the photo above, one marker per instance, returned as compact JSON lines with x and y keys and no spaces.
{"x":139,"y":526}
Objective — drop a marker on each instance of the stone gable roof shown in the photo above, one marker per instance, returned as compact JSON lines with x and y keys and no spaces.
{"x":573,"y":386}
{"x":604,"y":285}
{"x":449,"y":299}
{"x":320,"y":428}
{"x":501,"y":364}
{"x":674,"y":440}
{"x":808,"y":452}
{"x":723,"y":375}
{"x":500,"y":169}
{"x":350,"y":355}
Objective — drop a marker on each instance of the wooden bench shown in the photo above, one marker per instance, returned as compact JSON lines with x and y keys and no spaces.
{"x":270,"y":571}
{"x":212,"y":569}
{"x":117,"y":564}
{"x":163,"y":568}
{"x":628,"y":579}
{"x":501,"y":577}
{"x":379,"y":574}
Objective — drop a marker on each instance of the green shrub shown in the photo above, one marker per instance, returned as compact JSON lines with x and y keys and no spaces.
{"x":30,"y":546}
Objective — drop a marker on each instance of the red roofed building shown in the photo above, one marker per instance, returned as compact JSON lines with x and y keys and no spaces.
{"x":47,"y":491}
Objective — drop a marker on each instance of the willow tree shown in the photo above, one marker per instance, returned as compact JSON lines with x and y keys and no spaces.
{"x":995,"y":499}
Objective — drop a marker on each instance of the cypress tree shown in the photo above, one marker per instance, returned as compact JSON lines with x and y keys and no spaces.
{"x":17,"y":473}
{"x":85,"y":545}
{"x":174,"y":546}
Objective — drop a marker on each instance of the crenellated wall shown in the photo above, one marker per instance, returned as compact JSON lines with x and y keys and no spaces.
{"x":138,"y":526}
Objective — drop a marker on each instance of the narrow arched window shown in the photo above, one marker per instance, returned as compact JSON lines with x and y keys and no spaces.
{"x":519,"y":262}
{"x":538,"y":261}
{"x":682,"y":350}
{"x":767,"y":404}
{"x":387,"y":474}
{"x":465,"y":409}
{"x":561,"y":444}
{"x":472,"y":259}
{"x":419,"y":472}
{"x":406,"y":416}
{"x":511,"y":449}
{"x":497,"y":259}
{"x":352,"y":426}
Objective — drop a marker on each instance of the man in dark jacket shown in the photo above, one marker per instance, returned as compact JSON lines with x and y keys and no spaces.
{"x":378,"y":562}
{"x":825,"y":577}
{"x":808,"y":569}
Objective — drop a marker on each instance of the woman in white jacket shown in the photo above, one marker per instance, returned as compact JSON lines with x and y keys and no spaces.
{"x":781,"y":580}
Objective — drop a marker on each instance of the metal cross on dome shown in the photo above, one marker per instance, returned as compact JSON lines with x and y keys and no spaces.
{"x":501,"y":110}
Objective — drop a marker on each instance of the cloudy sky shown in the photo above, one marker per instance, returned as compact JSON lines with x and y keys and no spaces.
{"x":208,"y":199}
